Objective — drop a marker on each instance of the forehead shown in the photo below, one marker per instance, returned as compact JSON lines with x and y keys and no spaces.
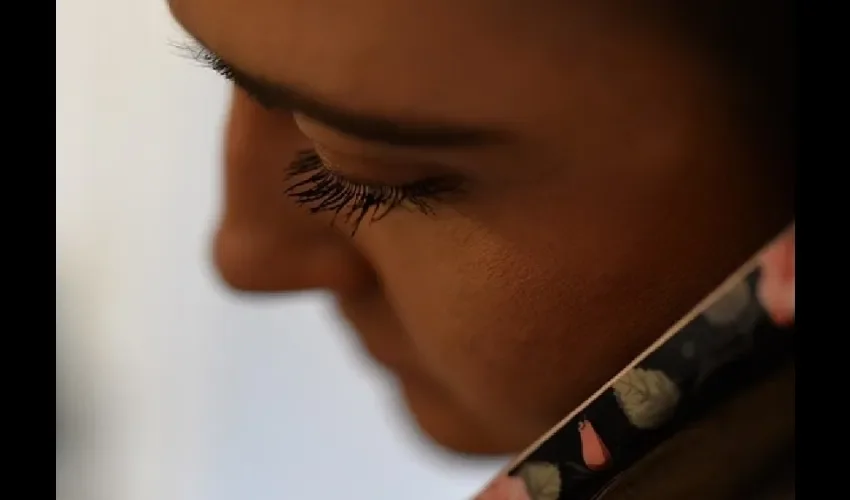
{"x":473,"y":58}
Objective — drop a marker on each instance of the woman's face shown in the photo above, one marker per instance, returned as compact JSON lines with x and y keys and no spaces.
{"x":601,"y":185}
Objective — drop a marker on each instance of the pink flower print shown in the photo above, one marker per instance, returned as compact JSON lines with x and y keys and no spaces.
{"x":776,"y":283}
{"x":505,"y":488}
{"x":593,"y":450}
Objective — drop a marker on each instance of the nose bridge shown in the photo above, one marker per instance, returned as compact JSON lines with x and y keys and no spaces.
{"x":264,"y":241}
{"x":258,"y":145}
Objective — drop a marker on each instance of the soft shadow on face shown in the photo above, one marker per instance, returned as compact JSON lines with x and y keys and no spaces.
{"x":624,"y":192}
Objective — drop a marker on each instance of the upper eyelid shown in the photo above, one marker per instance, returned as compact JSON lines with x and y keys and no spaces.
{"x":332,"y":168}
{"x":432,"y":186}
{"x":448,"y":182}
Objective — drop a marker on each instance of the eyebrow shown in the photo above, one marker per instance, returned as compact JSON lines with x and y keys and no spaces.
{"x":371,"y":128}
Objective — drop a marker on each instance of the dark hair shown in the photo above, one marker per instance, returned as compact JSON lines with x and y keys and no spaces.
{"x":755,"y":43}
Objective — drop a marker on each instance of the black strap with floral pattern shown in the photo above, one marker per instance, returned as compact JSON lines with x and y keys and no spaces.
{"x":732,"y":343}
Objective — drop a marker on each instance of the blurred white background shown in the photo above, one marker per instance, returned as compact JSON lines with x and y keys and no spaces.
{"x":188,"y":392}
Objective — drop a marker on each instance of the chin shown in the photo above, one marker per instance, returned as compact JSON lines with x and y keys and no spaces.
{"x":450,"y":428}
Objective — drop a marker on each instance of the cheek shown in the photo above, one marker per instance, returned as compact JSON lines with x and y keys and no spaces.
{"x":503,"y":329}
{"x":519,"y":323}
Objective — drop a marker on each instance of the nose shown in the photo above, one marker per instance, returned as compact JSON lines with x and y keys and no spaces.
{"x":265,"y":242}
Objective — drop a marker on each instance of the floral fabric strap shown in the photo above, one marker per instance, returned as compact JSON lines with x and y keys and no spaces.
{"x":746,"y":323}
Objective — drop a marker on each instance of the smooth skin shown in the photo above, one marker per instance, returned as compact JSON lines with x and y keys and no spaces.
{"x":626,"y":185}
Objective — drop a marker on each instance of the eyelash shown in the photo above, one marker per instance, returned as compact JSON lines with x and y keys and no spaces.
{"x":319,"y":189}
{"x":324,"y":191}
{"x":196,"y":52}
{"x":201,"y":55}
